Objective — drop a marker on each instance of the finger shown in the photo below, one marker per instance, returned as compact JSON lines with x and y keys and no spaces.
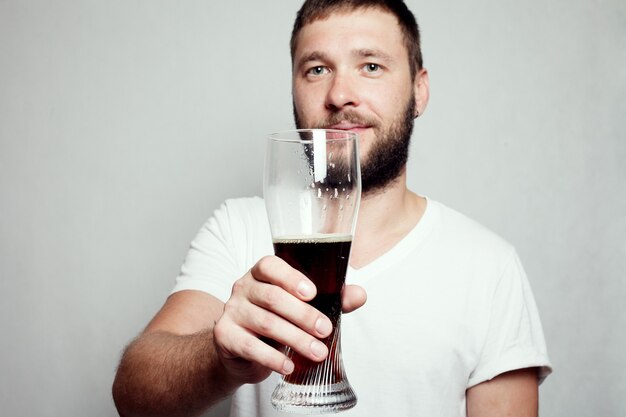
{"x":353,"y":297}
{"x":273,"y":270}
{"x":285,"y":305}
{"x":286,"y":333}
{"x":235,"y":343}
{"x":270,"y":325}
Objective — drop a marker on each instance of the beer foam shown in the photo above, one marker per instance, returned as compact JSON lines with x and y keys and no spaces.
{"x":314,"y":238}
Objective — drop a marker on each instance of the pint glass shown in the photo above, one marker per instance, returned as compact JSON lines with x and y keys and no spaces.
{"x":312,"y":190}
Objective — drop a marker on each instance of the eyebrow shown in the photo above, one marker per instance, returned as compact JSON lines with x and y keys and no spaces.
{"x":375,"y":53}
{"x":313,"y":56}
{"x":361,"y":53}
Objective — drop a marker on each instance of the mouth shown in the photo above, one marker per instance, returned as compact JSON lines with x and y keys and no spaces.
{"x":348,"y":126}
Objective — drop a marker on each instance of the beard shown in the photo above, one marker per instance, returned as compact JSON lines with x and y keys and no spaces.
{"x":389,"y":151}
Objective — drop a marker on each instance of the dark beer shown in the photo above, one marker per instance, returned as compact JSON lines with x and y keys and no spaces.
{"x":324,"y":260}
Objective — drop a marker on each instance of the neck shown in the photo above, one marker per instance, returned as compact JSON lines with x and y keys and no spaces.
{"x":385,"y":218}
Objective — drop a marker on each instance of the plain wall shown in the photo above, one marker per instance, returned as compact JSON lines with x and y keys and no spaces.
{"x":124,"y":124}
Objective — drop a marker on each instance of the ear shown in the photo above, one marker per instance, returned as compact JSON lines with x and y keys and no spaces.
{"x":421,"y":91}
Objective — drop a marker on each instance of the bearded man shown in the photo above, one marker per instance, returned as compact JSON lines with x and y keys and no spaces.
{"x":450,"y":327}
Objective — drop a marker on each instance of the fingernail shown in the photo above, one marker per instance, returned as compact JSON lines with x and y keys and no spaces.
{"x":318,"y":349}
{"x":287,"y":367}
{"x":305,"y":289}
{"x":323,"y":327}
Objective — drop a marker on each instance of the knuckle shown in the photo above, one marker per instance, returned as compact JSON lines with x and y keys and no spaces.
{"x":248,"y":347}
{"x":220,"y":332}
{"x":267,"y":324}
{"x":238,"y":286}
{"x":265,"y":265}
{"x":231,"y":306}
{"x":271,"y":297}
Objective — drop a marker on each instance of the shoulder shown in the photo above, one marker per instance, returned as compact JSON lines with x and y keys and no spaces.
{"x":245,"y":210}
{"x":236,"y":219}
{"x":243,"y":206}
{"x":463,"y":235}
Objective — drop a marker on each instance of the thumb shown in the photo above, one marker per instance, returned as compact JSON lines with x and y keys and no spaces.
{"x":353,"y":297}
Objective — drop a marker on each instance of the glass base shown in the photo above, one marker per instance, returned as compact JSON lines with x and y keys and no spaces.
{"x":313,"y":399}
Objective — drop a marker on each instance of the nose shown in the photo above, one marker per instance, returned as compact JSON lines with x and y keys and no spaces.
{"x":342,"y":92}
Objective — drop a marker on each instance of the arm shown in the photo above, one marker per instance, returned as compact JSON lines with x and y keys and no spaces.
{"x":197,"y":350}
{"x":511,"y":394}
{"x":164,"y":371}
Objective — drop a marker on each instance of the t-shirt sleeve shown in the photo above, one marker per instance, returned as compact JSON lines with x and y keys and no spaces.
{"x":225,"y":248}
{"x":514,"y":338}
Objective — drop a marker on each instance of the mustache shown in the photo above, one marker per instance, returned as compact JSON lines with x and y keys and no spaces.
{"x":349,"y":116}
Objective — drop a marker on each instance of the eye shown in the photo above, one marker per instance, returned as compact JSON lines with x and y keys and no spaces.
{"x":372,"y":68}
{"x":319,"y":70}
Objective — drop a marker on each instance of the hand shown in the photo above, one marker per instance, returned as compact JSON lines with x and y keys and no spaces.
{"x":270,"y":302}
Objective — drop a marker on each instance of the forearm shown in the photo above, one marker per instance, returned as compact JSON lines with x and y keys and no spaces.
{"x":162,"y":374}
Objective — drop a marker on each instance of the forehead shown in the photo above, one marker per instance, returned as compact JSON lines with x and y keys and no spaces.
{"x":372,"y":28}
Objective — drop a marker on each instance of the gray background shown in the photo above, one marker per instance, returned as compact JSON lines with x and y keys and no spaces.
{"x":123,"y":124}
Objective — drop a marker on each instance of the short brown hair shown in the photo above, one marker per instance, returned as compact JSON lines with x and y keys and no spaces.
{"x":313,"y":10}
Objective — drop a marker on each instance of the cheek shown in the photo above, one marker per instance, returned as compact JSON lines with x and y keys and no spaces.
{"x":383,"y":109}
{"x":305,"y":104}
{"x":393,"y":106}
{"x":381,"y":100}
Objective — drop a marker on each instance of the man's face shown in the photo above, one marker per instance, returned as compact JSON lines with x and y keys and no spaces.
{"x":351,"y":72}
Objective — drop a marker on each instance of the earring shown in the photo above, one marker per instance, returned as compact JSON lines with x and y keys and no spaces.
{"x":417,"y":114}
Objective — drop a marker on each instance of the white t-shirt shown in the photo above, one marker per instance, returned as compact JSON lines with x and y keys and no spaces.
{"x":448,"y":307}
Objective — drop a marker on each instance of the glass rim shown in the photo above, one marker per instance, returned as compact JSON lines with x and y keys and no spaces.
{"x":276,"y":136}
